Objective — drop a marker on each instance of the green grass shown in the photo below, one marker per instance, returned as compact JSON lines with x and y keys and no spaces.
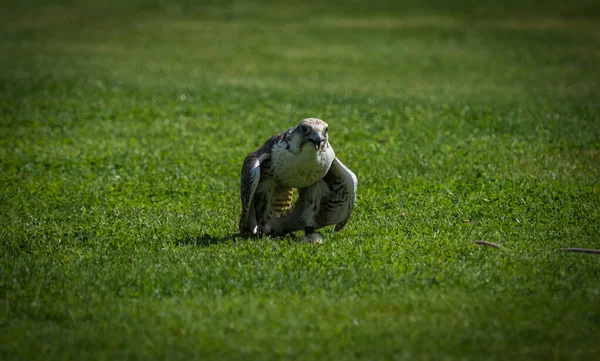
{"x":122,"y":133}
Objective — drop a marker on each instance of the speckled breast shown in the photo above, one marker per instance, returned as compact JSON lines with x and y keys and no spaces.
{"x":302,"y":170}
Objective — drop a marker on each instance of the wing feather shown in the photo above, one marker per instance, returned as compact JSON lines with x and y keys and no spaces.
{"x":337,"y":207}
{"x":249,"y":183}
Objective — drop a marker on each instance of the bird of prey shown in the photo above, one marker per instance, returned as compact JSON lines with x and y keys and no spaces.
{"x":300,"y":158}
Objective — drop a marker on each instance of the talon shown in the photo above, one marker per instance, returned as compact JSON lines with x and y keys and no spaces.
{"x":313,"y":238}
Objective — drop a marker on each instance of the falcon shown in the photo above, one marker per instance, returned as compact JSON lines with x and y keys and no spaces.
{"x":300,"y":158}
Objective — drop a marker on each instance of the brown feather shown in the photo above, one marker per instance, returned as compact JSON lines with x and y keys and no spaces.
{"x":246,"y":187}
{"x":282,"y":200}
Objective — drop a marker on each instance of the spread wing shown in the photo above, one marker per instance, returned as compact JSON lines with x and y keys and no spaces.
{"x":249,"y":183}
{"x":337,"y":207}
{"x":251,"y":175}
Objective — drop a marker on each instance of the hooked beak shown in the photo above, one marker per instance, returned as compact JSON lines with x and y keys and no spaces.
{"x":317,"y":140}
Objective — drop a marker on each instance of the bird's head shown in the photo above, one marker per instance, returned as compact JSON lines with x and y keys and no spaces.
{"x":312,"y":131}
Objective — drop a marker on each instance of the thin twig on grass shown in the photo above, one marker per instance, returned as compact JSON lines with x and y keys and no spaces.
{"x":486,"y":243}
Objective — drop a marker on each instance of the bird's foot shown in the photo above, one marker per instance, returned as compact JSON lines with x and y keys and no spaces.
{"x":313,"y":238}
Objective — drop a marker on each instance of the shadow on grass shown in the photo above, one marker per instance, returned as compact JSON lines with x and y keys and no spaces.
{"x":205,"y":240}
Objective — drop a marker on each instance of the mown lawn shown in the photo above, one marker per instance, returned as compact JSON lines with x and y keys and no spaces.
{"x":122,"y":132}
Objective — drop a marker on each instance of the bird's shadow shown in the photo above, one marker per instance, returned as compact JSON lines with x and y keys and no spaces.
{"x":205,"y":240}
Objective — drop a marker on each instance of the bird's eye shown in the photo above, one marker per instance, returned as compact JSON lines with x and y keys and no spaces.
{"x":326,"y":129}
{"x":304,"y":130}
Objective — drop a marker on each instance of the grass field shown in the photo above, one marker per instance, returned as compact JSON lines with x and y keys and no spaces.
{"x":122,"y":132}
